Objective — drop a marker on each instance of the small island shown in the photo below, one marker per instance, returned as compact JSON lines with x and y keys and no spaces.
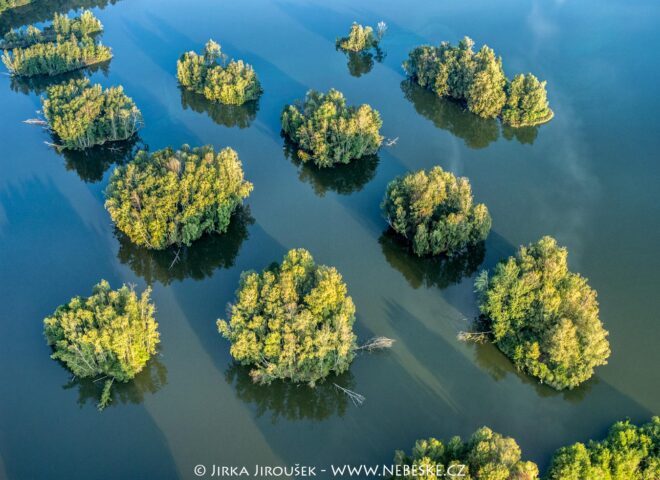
{"x":111,"y":335}
{"x":478,"y":80}
{"x":293,"y":321}
{"x":81,"y":26}
{"x":328,"y":132}
{"x":486,"y":455}
{"x":174,"y":197}
{"x":542,"y":316}
{"x":361,"y":38}
{"x":232,"y":83}
{"x":435,"y":213}
{"x":81,"y":115}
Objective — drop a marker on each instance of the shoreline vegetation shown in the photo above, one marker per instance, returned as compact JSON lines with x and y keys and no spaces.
{"x":478,"y":80}
{"x":83,"y":115}
{"x":84,"y":25}
{"x":361,"y":38}
{"x":6,"y":5}
{"x":232,"y":83}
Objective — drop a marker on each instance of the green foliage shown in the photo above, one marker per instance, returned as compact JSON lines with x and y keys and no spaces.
{"x":9,"y":4}
{"x":435,"y":213}
{"x":54,"y":58}
{"x":111,"y":333}
{"x":234,"y":83}
{"x":526,"y":103}
{"x":360,"y":38}
{"x":327,"y":131}
{"x":627,"y":453}
{"x":174,"y":197}
{"x":487,"y":455}
{"x":292,"y":321}
{"x":83,"y":116}
{"x":478,"y":80}
{"x":82,"y":26}
{"x":544,"y":317}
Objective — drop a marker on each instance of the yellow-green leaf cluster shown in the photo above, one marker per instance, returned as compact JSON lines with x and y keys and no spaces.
{"x":292,"y":321}
{"x":359,"y":38}
{"x":84,"y":25}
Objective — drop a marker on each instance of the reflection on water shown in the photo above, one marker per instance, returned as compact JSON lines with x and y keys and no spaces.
{"x":148,"y":381}
{"x":452,"y":116}
{"x":292,"y":401}
{"x":342,"y":178}
{"x":39,"y":84}
{"x":227,"y":115}
{"x":40,"y":11}
{"x":197,"y":261}
{"x":361,"y":63}
{"x":440,"y":271}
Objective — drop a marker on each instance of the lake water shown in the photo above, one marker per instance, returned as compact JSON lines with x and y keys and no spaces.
{"x":589,"y":178}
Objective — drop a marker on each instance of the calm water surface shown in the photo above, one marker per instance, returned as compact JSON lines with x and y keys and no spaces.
{"x":589,"y":178}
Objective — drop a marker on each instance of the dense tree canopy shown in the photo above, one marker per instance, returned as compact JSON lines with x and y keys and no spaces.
{"x":62,"y":26}
{"x":111,"y":333}
{"x":435,"y":213}
{"x":55,"y":58}
{"x":487,"y":455}
{"x":82,"y":116}
{"x":361,"y":38}
{"x":9,"y":4}
{"x":234,"y":83}
{"x":294,"y":321}
{"x":327,"y":131}
{"x":627,"y":453}
{"x":174,"y":197}
{"x":478,"y":80}
{"x":544,"y":317}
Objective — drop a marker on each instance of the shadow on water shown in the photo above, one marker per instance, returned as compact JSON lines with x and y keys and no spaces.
{"x":148,"y":381}
{"x":361,"y":63}
{"x":292,"y":401}
{"x":197,"y":261}
{"x":343,"y":179}
{"x":39,"y":84}
{"x":452,"y":116}
{"x":240,"y":116}
{"x":439,"y":271}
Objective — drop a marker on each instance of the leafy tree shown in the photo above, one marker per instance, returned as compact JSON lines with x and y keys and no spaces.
{"x":527,"y":102}
{"x":487,"y":455}
{"x":234,"y":83}
{"x":82,"y":116}
{"x":435,"y":213}
{"x":292,"y":321}
{"x":544,"y":317}
{"x":9,"y":4}
{"x":478,"y":80}
{"x":82,"y":26}
{"x":111,"y":333}
{"x":327,"y":131}
{"x":174,"y":197}
{"x":361,"y":38}
{"x":628,"y":452}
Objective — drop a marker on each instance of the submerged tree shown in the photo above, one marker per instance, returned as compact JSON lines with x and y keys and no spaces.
{"x":174,"y":197}
{"x":111,"y":334}
{"x":234,"y":83}
{"x":628,"y":452}
{"x":82,"y":116}
{"x":294,"y":321}
{"x":327,"y":131}
{"x":544,"y":317}
{"x":62,"y":26}
{"x":478,"y":80}
{"x":435,"y":213}
{"x":487,"y":455}
{"x":361,"y":38}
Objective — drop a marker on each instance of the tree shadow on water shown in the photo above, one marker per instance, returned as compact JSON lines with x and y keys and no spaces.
{"x":343,"y":179}
{"x":361,"y":63}
{"x":439,"y":271}
{"x":292,"y":401}
{"x":40,"y":83}
{"x":197,"y":261}
{"x":240,"y":116}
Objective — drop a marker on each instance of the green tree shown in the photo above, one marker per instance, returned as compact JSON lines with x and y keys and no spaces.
{"x":361,"y":38}
{"x":327,"y":131}
{"x":487,"y":455}
{"x":527,"y":102}
{"x":174,"y":197}
{"x":628,"y":452}
{"x":82,"y":26}
{"x":544,"y":317}
{"x":293,"y":321}
{"x":434,"y":211}
{"x":111,"y":333}
{"x":232,"y":84}
{"x":485,"y":96}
